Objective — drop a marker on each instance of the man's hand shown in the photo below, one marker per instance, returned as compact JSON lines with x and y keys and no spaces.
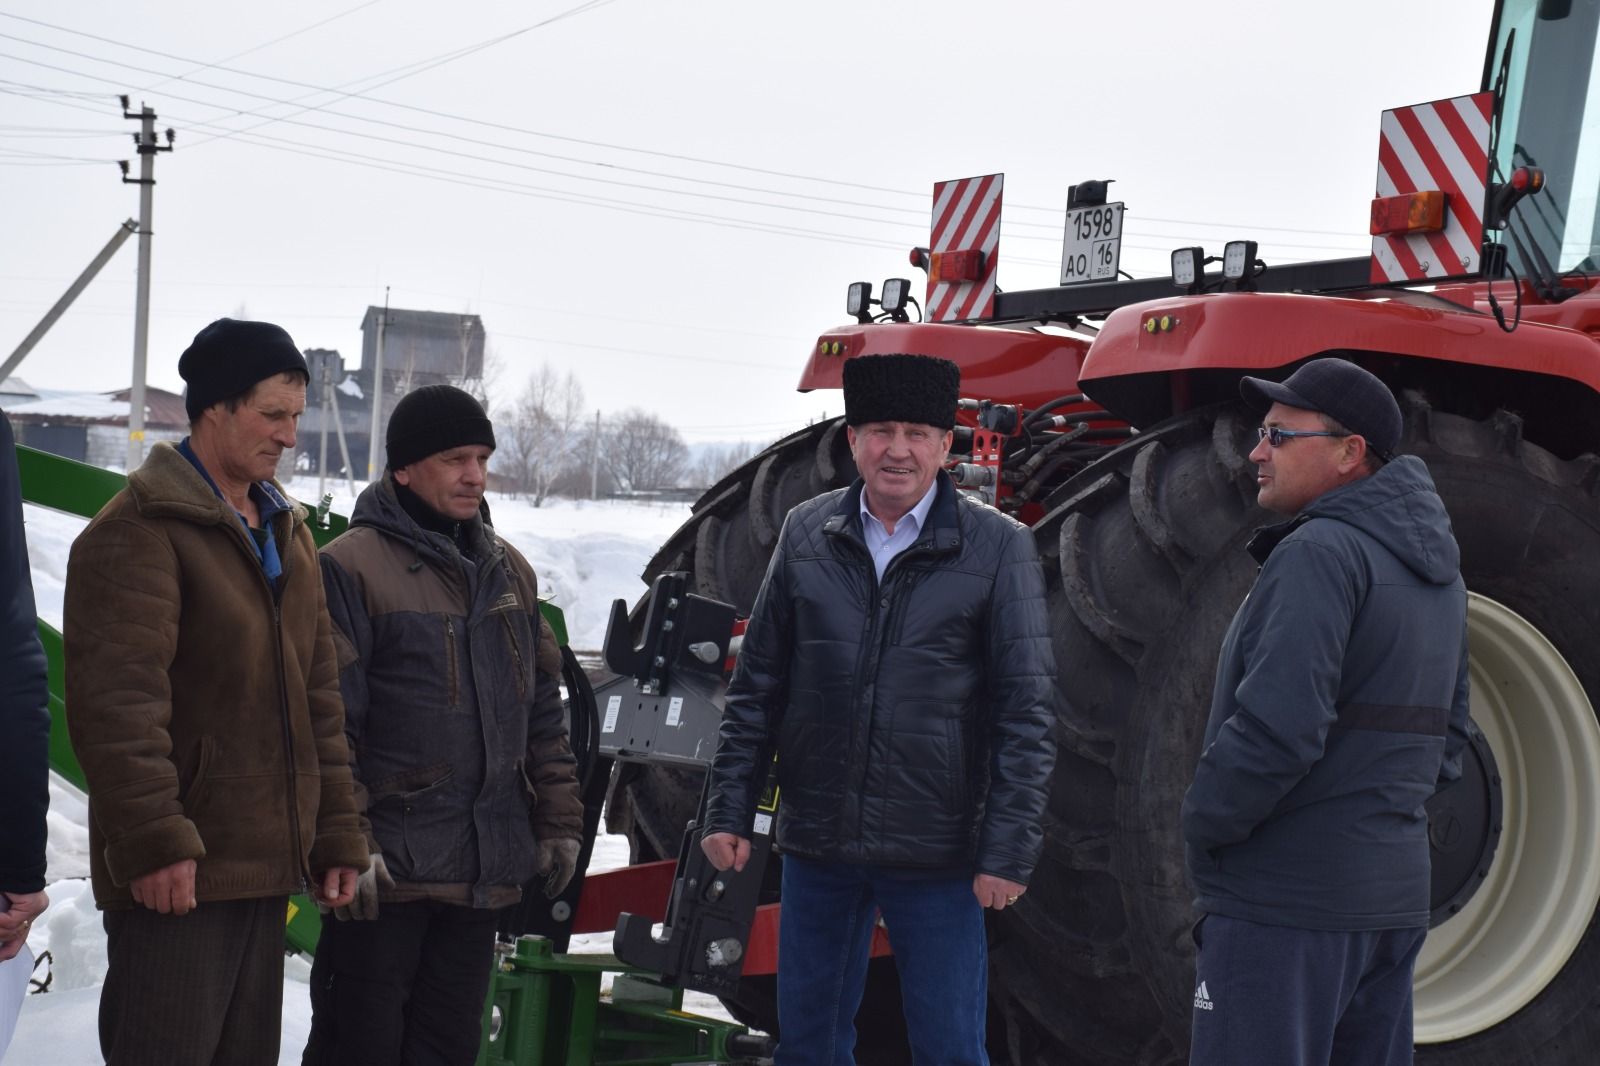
{"x":557,"y":862}
{"x":725,"y":850}
{"x":16,"y":922}
{"x":337,"y":887}
{"x":169,"y":890}
{"x":364,"y":907}
{"x":996,"y":892}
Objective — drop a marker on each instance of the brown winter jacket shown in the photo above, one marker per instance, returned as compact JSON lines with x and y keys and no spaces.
{"x":453,"y":711}
{"x":206,"y":716}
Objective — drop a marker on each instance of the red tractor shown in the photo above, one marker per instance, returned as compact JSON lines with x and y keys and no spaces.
{"x":1105,"y":415}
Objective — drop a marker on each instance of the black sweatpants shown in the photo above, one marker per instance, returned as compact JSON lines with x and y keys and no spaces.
{"x":204,"y":989}
{"x":404,"y":989}
{"x":1267,"y":995}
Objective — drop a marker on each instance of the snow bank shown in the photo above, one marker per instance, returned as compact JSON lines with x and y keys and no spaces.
{"x":587,"y":553}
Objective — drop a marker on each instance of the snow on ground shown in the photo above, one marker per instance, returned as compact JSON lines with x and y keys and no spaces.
{"x":587,"y":553}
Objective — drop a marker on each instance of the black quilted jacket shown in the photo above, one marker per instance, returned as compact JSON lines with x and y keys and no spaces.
{"x":912,"y":717}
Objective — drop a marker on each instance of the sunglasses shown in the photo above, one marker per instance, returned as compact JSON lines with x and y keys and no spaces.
{"x":1276,"y":435}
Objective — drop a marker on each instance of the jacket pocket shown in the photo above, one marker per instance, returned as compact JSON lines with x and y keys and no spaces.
{"x":395,"y":798}
{"x":956,"y":767}
{"x":527,"y":784}
{"x":516,"y":656}
{"x":200,"y":784}
{"x":452,"y":668}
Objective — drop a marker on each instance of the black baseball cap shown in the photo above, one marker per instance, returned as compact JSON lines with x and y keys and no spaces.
{"x":1339,"y":389}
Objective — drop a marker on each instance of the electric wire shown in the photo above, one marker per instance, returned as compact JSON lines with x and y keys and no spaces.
{"x":1054,"y":211}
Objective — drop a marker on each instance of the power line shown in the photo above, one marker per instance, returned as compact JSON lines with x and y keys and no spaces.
{"x":500,"y":184}
{"x":256,"y":48}
{"x":430,"y":133}
{"x":669,"y":176}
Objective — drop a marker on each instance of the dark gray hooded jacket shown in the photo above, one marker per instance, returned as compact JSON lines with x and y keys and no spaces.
{"x":1340,"y":706}
{"x":458,"y":740}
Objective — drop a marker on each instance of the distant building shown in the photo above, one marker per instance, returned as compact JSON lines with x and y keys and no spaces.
{"x":354,"y":416}
{"x":419,"y":348}
{"x":91,"y":427}
{"x":14,"y":391}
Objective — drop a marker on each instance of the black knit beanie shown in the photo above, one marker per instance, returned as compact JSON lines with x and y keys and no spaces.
{"x":229,"y":356}
{"x":433,"y":419}
{"x":901,"y":388}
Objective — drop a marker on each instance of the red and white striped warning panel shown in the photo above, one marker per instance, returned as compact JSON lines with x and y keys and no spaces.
{"x":1433,"y":165}
{"x":964,"y":248}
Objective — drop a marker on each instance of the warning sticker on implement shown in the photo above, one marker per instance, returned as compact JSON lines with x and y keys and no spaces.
{"x":763,"y":824}
{"x":674,"y":710}
{"x":613,"y":708}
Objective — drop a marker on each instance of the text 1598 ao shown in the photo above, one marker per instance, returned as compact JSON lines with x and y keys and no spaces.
{"x":1092,"y":249}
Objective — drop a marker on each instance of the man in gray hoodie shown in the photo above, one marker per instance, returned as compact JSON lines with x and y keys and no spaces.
{"x":1340,"y":707}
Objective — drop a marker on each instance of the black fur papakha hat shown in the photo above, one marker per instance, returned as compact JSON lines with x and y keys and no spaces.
{"x":901,"y":388}
{"x":229,"y":356}
{"x":433,"y":419}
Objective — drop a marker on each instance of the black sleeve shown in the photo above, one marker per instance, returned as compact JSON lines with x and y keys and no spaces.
{"x":753,"y":708}
{"x":24,"y":698}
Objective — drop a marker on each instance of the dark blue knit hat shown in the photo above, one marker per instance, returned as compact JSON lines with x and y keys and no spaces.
{"x":229,"y":356}
{"x":433,"y":419}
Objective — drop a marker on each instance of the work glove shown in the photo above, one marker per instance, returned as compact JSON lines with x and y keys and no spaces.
{"x":365,"y":906}
{"x":558,"y":861}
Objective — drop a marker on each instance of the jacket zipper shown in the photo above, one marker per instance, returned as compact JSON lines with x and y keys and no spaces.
{"x":871,"y":652}
{"x":516,"y":653}
{"x":450,"y":659}
{"x":288,"y":749}
{"x":283,"y":703}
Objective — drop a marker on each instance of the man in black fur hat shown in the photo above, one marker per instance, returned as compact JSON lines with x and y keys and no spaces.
{"x":898,"y":663}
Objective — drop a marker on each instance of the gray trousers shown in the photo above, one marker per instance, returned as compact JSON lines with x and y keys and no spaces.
{"x":205,"y":989}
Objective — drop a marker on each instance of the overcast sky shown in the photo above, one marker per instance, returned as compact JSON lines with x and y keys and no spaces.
{"x":667,"y":197}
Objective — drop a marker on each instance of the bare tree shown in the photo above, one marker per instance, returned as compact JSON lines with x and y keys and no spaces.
{"x":642,"y":452}
{"x":482,"y":386}
{"x":717,"y":461}
{"x":542,"y":433}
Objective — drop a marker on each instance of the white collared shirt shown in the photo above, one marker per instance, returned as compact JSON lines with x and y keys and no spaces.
{"x":884,"y":545}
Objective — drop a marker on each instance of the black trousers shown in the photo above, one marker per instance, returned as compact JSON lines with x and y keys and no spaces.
{"x":405,"y":989}
{"x":204,"y":989}
{"x":1268,"y":995}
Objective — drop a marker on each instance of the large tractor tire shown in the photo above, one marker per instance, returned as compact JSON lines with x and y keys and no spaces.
{"x":1145,"y":562}
{"x":1145,"y":566}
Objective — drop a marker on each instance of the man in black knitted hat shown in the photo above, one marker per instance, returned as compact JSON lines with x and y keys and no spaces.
{"x":898,"y":663}
{"x":1340,"y":706}
{"x":457,"y":740}
{"x":206,"y":715}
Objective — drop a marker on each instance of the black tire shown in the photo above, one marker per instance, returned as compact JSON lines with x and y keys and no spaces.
{"x":1145,"y":565}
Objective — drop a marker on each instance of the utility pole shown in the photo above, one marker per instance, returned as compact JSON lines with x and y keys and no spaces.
{"x":594,"y":460}
{"x":146,"y":140}
{"x":124,"y":231}
{"x":322,"y":445}
{"x":377,"y":392}
{"x":344,"y":449}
